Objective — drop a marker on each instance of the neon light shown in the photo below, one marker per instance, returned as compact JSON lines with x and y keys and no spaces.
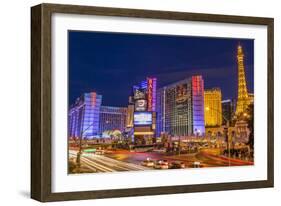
{"x":198,"y":105}
{"x":149,"y":93}
{"x":143,"y":133}
{"x":89,"y":150}
{"x":144,"y":84}
{"x":94,"y":98}
{"x":154,"y":95}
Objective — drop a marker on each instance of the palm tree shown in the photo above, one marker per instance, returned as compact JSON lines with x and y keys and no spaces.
{"x":250,"y":121}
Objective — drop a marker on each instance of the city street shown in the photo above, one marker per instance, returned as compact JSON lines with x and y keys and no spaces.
{"x":206,"y":159}
{"x":124,"y":160}
{"x":100,"y":163}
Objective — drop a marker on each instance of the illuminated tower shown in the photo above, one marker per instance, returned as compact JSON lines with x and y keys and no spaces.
{"x":243,"y":99}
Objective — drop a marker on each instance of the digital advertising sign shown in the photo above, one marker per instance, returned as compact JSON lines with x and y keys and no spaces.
{"x":140,"y":105}
{"x":142,"y":118}
{"x":181,"y":93}
{"x":139,"y":94}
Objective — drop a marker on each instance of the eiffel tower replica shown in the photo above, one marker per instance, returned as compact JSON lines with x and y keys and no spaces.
{"x":243,"y":99}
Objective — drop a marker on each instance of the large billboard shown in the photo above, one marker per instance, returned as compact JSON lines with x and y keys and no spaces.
{"x":140,"y":105}
{"x":181,"y":99}
{"x":142,"y":118}
{"x":139,"y":93}
{"x":181,"y":94}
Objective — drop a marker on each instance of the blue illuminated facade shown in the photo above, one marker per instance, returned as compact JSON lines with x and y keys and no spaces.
{"x":112,"y":118}
{"x":84,"y":116}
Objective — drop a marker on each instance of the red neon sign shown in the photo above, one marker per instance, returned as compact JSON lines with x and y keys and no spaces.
{"x":196,"y":85}
{"x":149,"y":93}
{"x":94,"y":99}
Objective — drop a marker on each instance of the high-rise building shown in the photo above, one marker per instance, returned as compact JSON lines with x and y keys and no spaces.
{"x":143,"y":111}
{"x":112,"y":118}
{"x":228,"y":110}
{"x":213,"y":107}
{"x":83,"y":116}
{"x":180,"y":108}
{"x":244,"y":99}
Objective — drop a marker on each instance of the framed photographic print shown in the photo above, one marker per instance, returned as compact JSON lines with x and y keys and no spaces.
{"x":132,"y":102}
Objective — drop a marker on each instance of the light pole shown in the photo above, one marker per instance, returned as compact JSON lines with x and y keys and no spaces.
{"x":79,"y":153}
{"x":225,"y":130}
{"x":179,"y":146}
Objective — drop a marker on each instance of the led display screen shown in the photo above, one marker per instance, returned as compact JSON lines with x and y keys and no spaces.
{"x":139,"y":94}
{"x":142,"y":118}
{"x":181,"y":93}
{"x":141,"y":105}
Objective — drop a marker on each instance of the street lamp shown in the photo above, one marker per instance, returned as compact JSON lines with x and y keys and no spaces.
{"x":225,"y":130}
{"x":79,"y":153}
{"x":246,"y":115}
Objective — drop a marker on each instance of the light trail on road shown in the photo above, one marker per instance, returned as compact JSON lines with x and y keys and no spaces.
{"x":131,"y":161}
{"x":105,"y":164}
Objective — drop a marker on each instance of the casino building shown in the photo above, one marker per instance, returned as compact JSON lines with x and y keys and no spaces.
{"x":112,"y":118}
{"x":176,"y":109}
{"x":89,"y":119}
{"x":180,"y":108}
{"x":141,"y":112}
{"x":84,"y":115}
{"x":213,"y":107}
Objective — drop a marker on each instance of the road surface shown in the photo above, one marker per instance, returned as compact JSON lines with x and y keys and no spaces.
{"x":100,"y":163}
{"x":206,"y":159}
{"x":123,"y":160}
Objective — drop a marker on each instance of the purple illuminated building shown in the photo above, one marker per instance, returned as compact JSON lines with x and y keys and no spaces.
{"x":89,"y":119}
{"x":84,"y":115}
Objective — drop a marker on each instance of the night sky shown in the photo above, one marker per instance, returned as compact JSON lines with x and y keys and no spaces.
{"x":111,"y":63}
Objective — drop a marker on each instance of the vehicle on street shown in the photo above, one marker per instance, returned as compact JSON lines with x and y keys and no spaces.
{"x":197,"y":164}
{"x":162,"y":150}
{"x":148,"y":163}
{"x":176,"y":165}
{"x":161,"y":164}
{"x":99,"y":152}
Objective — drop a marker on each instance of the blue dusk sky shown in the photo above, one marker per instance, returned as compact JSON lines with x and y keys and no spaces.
{"x":111,"y":63}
